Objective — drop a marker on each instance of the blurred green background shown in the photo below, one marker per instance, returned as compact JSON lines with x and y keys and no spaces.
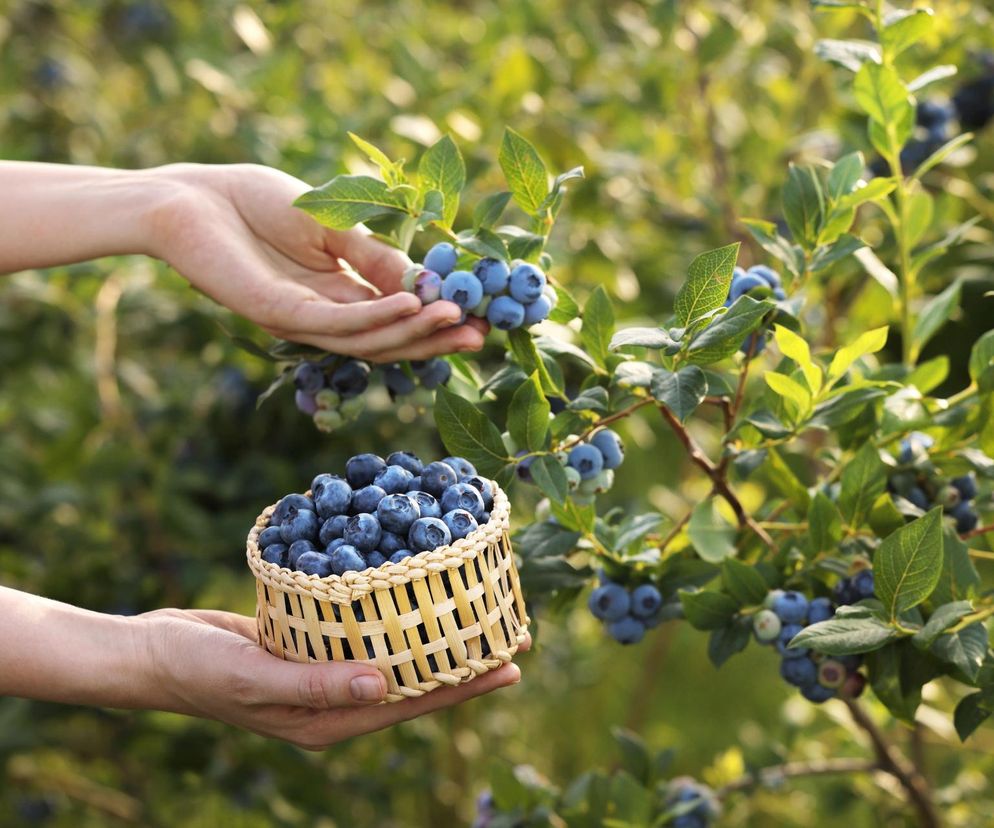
{"x":132,"y":462}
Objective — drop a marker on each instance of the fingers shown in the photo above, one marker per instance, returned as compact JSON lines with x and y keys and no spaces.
{"x":241,"y":625}
{"x":375,"y":261}
{"x":339,"y":286}
{"x":312,"y":314}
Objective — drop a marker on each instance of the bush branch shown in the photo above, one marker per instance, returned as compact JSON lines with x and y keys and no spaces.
{"x":793,"y":770}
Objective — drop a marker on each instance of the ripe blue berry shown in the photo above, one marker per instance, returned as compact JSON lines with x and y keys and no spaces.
{"x":298,"y":548}
{"x":816,"y":693}
{"x":332,"y":496}
{"x":441,"y":258}
{"x":526,"y":283}
{"x":966,"y":518}
{"x":367,"y":499}
{"x":460,"y":523}
{"x":305,"y":403}
{"x":427,"y":534}
{"x":401,"y":555}
{"x":393,"y":479}
{"x":523,"y":468}
{"x":463,"y":496}
{"x":462,"y":466}
{"x":406,"y":460}
{"x":363,"y":532}
{"x":587,"y":460}
{"x":463,"y":288}
{"x":332,"y":528}
{"x":791,"y":607}
{"x":390,"y":543}
{"x":745,"y":284}
{"x":437,"y":477}
{"x":362,"y":469}
{"x":290,"y":501}
{"x":396,"y":513}
{"x":862,"y":584}
{"x":276,"y":553}
{"x":799,"y":672}
{"x":537,"y":311}
{"x":346,"y":559}
{"x":917,"y":496}
{"x":300,"y":523}
{"x":315,"y":563}
{"x":646,"y":601}
{"x":271,"y":534}
{"x":786,"y":635}
{"x":308,"y":377}
{"x":820,"y":609}
{"x":428,"y":505}
{"x":506,"y":313}
{"x":350,"y":379}
{"x":397,"y":381}
{"x":766,"y":626}
{"x":609,"y":444}
{"x":831,"y":674}
{"x":484,"y":487}
{"x":768,"y":274}
{"x":333,"y":545}
{"x":915,"y":445}
{"x":414,"y":485}
{"x":609,"y":602}
{"x":374,"y":558}
{"x":493,"y":275}
{"x":966,"y":486}
{"x":436,"y":372}
{"x":626,"y":630}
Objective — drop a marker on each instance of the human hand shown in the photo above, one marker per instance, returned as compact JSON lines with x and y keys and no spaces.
{"x":233,"y":232}
{"x":208,"y":663}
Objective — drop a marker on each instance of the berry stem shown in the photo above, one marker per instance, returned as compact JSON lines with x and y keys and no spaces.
{"x":618,"y":415}
{"x":793,"y":770}
{"x":677,"y":528}
{"x":973,"y":533}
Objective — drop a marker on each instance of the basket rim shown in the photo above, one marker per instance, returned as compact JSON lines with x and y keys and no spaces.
{"x":450,"y":555}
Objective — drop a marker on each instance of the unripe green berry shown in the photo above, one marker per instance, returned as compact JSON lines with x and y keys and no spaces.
{"x":772,"y":597}
{"x":481,"y":309}
{"x":766,"y":626}
{"x":409,"y":277}
{"x":352,"y":408}
{"x":948,"y":497}
{"x":543,"y":510}
{"x":509,"y":442}
{"x":573,"y":479}
{"x":328,"y":420}
{"x":327,"y":398}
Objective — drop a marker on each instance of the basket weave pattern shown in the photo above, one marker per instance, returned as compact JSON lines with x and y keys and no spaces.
{"x":440,"y":618}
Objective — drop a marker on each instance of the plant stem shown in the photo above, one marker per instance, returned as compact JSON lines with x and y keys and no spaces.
{"x":980,"y":530}
{"x":794,"y":770}
{"x":618,"y":415}
{"x":675,"y":531}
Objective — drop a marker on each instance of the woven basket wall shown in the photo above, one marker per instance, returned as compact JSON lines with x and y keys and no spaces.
{"x":440,"y":618}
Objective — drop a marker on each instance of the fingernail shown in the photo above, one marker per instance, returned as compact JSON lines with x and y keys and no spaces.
{"x":366,"y":688}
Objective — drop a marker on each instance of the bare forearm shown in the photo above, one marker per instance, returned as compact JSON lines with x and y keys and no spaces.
{"x":56,"y":652}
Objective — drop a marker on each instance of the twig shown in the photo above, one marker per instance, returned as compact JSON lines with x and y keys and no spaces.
{"x":980,"y":530}
{"x":794,"y":770}
{"x":618,"y":415}
{"x":675,"y":531}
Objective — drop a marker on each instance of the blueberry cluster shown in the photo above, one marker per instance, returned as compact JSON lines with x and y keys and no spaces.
{"x":693,"y":803}
{"x":760,"y":282}
{"x":589,"y":464}
{"x":382,"y":510}
{"x":974,"y":100}
{"x":626,"y":613}
{"x":486,"y":810}
{"x":330,"y":390}
{"x":917,"y":481}
{"x":786,"y":613}
{"x":508,"y":295}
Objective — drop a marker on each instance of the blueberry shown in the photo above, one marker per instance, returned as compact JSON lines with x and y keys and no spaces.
{"x":850,"y":662}
{"x":299,"y":524}
{"x":441,"y":258}
{"x":766,"y":626}
{"x":375,"y":558}
{"x":367,"y":499}
{"x":427,"y":287}
{"x":298,"y":548}
{"x":462,"y":466}
{"x":480,"y":310}
{"x":351,"y":378}
{"x":816,"y":693}
{"x":414,"y":485}
{"x":363,"y":532}
{"x":390,"y":543}
{"x":832,"y":674}
{"x":966,"y":486}
{"x":463,"y":496}
{"x":844,"y":593}
{"x":768,"y":274}
{"x":820,"y":609}
{"x":305,"y":403}
{"x":397,"y":381}
{"x":587,"y":460}
{"x":484,"y":519}
{"x":746,"y":284}
{"x":276,"y":553}
{"x":396,"y":513}
{"x":401,"y":555}
{"x":437,"y":373}
{"x":393,"y":479}
{"x":526,"y":283}
{"x":506,"y":313}
{"x":917,"y":496}
{"x":437,"y":477}
{"x":332,"y":528}
{"x":800,"y":672}
{"x":460,"y":522}
{"x":271,"y":534}
{"x":493,"y":275}
{"x":429,"y":506}
{"x":362,"y":469}
{"x":609,"y":444}
{"x":772,"y":597}
{"x":853,"y":686}
{"x":315,"y":563}
{"x":406,"y":460}
{"x":930,"y":114}
{"x":333,"y":544}
{"x":427,"y":534}
{"x":754,"y":344}
{"x":308,"y":377}
{"x":791,"y":607}
{"x":646,"y":601}
{"x":626,"y":630}
{"x":537,"y":311}
{"x":914,"y":445}
{"x":786,"y":635}
{"x":332,"y":496}
{"x":463,"y":288}
{"x":862,"y":584}
{"x":346,"y":559}
{"x":484,"y":487}
{"x":609,"y":602}
{"x":966,"y":518}
{"x":523,"y":468}
{"x":291,"y":501}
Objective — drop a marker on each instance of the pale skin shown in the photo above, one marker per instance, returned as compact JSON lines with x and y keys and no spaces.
{"x":230,"y":231}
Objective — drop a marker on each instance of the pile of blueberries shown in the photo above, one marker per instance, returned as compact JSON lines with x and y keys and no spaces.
{"x":508,"y":295}
{"x":382,"y":510}
{"x":693,"y":802}
{"x":626,"y":612}
{"x":760,"y":282}
{"x":786,"y":613}
{"x":330,"y":390}
{"x":917,"y":481}
{"x":589,"y":464}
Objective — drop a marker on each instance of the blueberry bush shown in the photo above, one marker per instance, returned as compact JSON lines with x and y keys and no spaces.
{"x":753,"y":430}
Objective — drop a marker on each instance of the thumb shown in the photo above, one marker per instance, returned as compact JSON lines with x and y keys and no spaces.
{"x":317,"y":686}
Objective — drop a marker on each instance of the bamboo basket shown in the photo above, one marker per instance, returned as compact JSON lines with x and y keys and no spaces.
{"x":439,"y":618}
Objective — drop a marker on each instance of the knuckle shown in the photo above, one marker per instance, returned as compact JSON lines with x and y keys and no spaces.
{"x":313,"y":690}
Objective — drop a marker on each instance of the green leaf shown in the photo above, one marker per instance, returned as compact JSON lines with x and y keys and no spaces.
{"x":965,"y":649}
{"x":936,"y":73}
{"x":724,"y":334}
{"x":526,"y":175}
{"x":713,"y":539}
{"x":824,"y":524}
{"x":942,"y":153}
{"x":982,"y":362}
{"x":796,"y":348}
{"x":550,"y":477}
{"x":866,"y":343}
{"x":929,"y":375}
{"x":680,"y":392}
{"x":655,"y":338}
{"x":904,"y":28}
{"x":845,"y":636}
{"x":598,"y":325}
{"x":933,"y":251}
{"x":845,"y":175}
{"x":970,"y":714}
{"x":862,"y":481}
{"x":707,"y":283}
{"x":392,"y":171}
{"x":782,"y":477}
{"x":936,"y":313}
{"x":545,"y":540}
{"x":849,"y":54}
{"x":942,"y":619}
{"x":726,"y":641}
{"x":874,"y":190}
{"x":791,"y":390}
{"x":881,"y":94}
{"x":883,"y":275}
{"x":908,"y":563}
{"x":634,"y":374}
{"x":897,"y":674}
{"x":634,"y":754}
{"x":442,"y":168}
{"x":841,"y":248}
{"x":527,"y":356}
{"x":490,"y":209}
{"x":528,"y":415}
{"x":959,"y":578}
{"x":348,"y":200}
{"x":765,"y":233}
{"x":566,"y":309}
{"x":845,"y":406}
{"x":707,"y":609}
{"x":555,"y":196}
{"x":466,"y":432}
{"x":803,"y":204}
{"x":633,"y":529}
{"x":743,"y":582}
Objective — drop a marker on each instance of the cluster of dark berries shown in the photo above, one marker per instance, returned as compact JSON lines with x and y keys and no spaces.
{"x":974,"y":100}
{"x":691,"y":803}
{"x":589,"y":464}
{"x":486,"y":810}
{"x":760,"y":282}
{"x":918,"y":482}
{"x":508,"y":295}
{"x":330,"y":390}
{"x":626,"y":613}
{"x":786,"y":613}
{"x":382,"y":510}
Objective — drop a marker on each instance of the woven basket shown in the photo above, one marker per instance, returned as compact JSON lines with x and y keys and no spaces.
{"x":439,"y":618}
